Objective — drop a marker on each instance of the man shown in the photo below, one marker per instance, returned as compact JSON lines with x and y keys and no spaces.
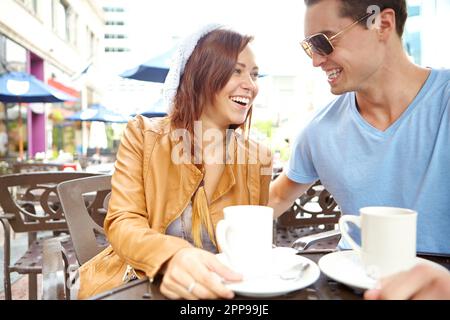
{"x":385,"y":141}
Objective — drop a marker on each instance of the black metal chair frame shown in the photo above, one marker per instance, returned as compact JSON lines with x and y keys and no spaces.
{"x":301,"y":221}
{"x":30,"y":205}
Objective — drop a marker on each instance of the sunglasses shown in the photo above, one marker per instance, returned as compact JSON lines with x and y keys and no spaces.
{"x":319,"y":43}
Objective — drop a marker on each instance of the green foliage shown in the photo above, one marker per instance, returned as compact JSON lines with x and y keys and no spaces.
{"x":264,"y":127}
{"x":57,"y":137}
{"x":110,"y":136}
{"x":285,"y":151}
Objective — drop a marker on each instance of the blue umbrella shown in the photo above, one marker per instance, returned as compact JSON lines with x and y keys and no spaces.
{"x":153,"y":70}
{"x":158,"y":109}
{"x":97,"y":112}
{"x":23,"y":87}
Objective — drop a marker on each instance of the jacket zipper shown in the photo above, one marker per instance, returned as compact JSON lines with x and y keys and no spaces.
{"x":187,"y":203}
{"x":130,"y":274}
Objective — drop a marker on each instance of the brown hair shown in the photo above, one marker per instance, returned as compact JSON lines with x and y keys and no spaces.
{"x":355,"y":9}
{"x":207,"y":71}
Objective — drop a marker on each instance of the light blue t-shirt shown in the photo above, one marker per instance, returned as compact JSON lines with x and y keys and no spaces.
{"x":407,"y":165}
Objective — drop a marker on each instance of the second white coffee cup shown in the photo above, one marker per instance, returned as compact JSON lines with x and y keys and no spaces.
{"x":245,"y":237}
{"x":388,"y":239}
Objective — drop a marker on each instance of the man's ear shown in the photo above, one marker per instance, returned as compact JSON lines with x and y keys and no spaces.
{"x":385,"y":24}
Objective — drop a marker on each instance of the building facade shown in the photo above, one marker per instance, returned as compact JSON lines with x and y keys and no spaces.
{"x":427,"y":19}
{"x":53,"y":40}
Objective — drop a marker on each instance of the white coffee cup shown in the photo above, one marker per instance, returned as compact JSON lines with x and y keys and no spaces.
{"x":388,"y":239}
{"x":245,"y":237}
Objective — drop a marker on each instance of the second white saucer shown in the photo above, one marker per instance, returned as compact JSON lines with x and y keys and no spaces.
{"x":346,"y":267}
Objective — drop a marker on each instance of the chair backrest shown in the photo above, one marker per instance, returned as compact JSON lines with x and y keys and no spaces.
{"x":32,"y":201}
{"x":313,"y":208}
{"x":85,"y":217}
{"x":313,"y":212}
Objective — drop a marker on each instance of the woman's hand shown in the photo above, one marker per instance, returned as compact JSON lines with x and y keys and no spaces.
{"x":420,"y":283}
{"x":194,"y":273}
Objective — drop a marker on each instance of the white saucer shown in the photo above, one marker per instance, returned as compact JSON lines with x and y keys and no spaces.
{"x":346,"y":267}
{"x":272,"y":285}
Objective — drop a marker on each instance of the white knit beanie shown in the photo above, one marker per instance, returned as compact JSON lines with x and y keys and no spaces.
{"x":179,"y":60}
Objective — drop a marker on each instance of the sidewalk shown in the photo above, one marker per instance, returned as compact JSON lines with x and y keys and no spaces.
{"x":20,"y":288}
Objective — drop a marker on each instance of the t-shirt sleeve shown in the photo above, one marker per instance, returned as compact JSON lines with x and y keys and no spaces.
{"x":300,"y":167}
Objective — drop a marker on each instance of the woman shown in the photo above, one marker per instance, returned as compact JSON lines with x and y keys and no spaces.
{"x":174,"y":175}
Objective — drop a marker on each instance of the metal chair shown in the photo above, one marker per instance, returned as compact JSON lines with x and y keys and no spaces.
{"x":85,"y":219}
{"x":84,"y":202}
{"x":310,"y":223}
{"x":30,"y":205}
{"x":54,"y":271}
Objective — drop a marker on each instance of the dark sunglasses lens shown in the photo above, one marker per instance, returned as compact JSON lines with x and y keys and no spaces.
{"x":321,"y":45}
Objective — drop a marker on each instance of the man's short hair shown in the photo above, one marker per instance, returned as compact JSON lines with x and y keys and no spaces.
{"x":355,"y":9}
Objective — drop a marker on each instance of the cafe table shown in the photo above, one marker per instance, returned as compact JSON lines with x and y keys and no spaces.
{"x":323,"y":289}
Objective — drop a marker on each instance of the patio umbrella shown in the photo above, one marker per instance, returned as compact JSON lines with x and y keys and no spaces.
{"x":97,"y":115}
{"x":21,"y":87}
{"x":153,"y":70}
{"x":158,"y":109}
{"x":97,"y":112}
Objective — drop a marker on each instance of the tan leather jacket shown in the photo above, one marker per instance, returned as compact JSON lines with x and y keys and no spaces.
{"x":149,"y":191}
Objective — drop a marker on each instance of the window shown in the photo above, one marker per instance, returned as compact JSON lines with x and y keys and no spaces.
{"x":2,"y":53}
{"x":32,"y":5}
{"x":113,"y":9}
{"x":412,"y":44}
{"x":15,"y":54}
{"x":114,"y":49}
{"x":61,"y":23}
{"x":72,"y":25}
{"x":93,"y":43}
{"x":115,"y":23}
{"x":115,"y":36}
{"x":412,"y":38}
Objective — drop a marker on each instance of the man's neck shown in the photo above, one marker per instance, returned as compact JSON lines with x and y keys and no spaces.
{"x":391,"y":91}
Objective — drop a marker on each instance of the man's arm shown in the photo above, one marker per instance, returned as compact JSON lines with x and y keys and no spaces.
{"x":283,"y":192}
